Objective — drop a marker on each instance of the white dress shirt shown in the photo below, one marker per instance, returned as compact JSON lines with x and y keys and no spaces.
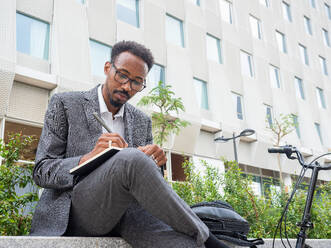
{"x":116,"y":124}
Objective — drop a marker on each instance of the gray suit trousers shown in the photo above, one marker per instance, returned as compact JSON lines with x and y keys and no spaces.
{"x":128,"y":194}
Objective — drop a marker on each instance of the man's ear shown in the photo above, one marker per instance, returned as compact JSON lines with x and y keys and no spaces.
{"x":107,"y":67}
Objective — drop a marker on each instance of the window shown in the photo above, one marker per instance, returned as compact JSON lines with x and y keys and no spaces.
{"x":274,"y":76}
{"x":174,"y":31}
{"x":246,"y":64}
{"x":177,"y":169}
{"x":318,"y":130}
{"x":323,"y":65}
{"x":213,"y":49}
{"x":326,"y":37}
{"x":256,"y":28}
{"x":281,"y":41}
{"x":320,"y":98}
{"x":32,"y":36}
{"x":312,"y":3}
{"x":327,"y":10}
{"x":81,"y":1}
{"x":226,"y":11}
{"x":100,"y":54}
{"x":308,"y":25}
{"x":287,"y":11}
{"x":299,"y":88}
{"x":237,"y":101}
{"x":196,"y":2}
{"x":264,"y":2}
{"x":304,"y":54}
{"x":296,"y":125}
{"x":201,"y":93}
{"x":269,"y":115}
{"x":128,"y":11}
{"x":155,"y":75}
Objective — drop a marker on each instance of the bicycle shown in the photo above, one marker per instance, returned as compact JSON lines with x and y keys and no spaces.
{"x":305,"y":223}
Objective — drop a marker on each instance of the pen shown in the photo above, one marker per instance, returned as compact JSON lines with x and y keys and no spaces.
{"x":95,"y":114}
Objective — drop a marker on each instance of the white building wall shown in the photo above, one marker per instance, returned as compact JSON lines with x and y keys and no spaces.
{"x":69,"y":68}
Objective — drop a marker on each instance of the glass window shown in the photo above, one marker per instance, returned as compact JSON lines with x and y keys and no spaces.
{"x":237,"y":101}
{"x":318,"y":130}
{"x":281,"y":41}
{"x":296,"y":125}
{"x":155,"y":75}
{"x":226,"y":11}
{"x":304,"y":54}
{"x":274,"y":76}
{"x":269,"y":115}
{"x":256,"y":28}
{"x":307,"y":23}
{"x":327,"y":10}
{"x":100,"y":54}
{"x":256,"y":185}
{"x":323,"y":65}
{"x":326,"y":37}
{"x":246,"y":64}
{"x":128,"y":11}
{"x":29,"y":153}
{"x":196,"y":2}
{"x":312,"y":3}
{"x":214,"y":49}
{"x":264,"y":2}
{"x":320,"y":98}
{"x":201,"y":93}
{"x":174,"y":31}
{"x":287,"y":11}
{"x":299,"y":88}
{"x":32,"y":36}
{"x":81,"y":1}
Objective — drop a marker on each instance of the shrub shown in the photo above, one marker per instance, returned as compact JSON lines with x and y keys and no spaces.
{"x":13,"y":220}
{"x":262,"y":212}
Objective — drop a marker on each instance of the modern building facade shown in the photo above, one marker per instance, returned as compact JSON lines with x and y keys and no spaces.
{"x":236,"y":65}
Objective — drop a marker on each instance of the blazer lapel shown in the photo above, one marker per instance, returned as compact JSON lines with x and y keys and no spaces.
{"x":128,"y":119}
{"x":91,"y":105}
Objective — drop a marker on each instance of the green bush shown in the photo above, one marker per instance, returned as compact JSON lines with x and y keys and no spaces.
{"x":13,"y":221}
{"x":262,"y":212}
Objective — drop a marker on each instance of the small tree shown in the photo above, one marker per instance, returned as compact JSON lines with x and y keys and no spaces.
{"x":163,"y":122}
{"x":280,"y":127}
{"x":13,"y":221}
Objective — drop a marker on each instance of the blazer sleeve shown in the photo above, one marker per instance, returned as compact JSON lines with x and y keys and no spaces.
{"x":51,"y":166}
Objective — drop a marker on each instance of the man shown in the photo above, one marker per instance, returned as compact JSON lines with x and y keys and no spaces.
{"x":125,"y":195}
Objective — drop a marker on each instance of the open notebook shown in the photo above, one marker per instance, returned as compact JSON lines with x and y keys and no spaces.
{"x":94,"y":162}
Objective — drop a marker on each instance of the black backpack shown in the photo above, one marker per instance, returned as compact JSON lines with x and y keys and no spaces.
{"x":225,"y":223}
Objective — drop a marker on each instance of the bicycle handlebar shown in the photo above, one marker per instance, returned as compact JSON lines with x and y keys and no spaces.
{"x":289,"y":150}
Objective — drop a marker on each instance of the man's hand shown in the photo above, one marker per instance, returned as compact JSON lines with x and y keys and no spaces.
{"x":103,"y":143}
{"x":155,"y":152}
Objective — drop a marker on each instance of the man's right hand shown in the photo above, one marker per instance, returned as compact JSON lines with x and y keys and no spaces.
{"x":103,"y":143}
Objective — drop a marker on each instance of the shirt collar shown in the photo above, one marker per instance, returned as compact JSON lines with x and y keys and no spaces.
{"x":103,"y":106}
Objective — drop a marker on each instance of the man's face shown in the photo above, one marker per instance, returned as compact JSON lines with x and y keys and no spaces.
{"x":132,"y":67}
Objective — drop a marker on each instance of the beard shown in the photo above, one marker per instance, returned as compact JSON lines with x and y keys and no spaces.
{"x":115,"y":103}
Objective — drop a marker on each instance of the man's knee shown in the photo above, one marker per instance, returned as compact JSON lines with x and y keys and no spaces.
{"x":132,"y":158}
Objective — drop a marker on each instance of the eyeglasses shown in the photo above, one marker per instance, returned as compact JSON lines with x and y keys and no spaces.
{"x":123,"y":79}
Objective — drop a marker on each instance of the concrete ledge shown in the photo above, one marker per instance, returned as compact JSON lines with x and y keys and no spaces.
{"x":61,"y":242}
{"x":84,"y":242}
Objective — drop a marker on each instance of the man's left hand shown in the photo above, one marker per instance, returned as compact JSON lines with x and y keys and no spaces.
{"x":155,"y":152}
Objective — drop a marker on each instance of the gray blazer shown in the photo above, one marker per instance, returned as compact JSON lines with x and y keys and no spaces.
{"x":70,"y":131}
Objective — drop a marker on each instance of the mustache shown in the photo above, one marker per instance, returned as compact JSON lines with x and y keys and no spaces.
{"x":122,"y":92}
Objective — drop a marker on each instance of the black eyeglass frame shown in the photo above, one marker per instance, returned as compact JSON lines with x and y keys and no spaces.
{"x":128,"y":79}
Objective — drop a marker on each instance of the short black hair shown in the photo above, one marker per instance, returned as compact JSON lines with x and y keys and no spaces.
{"x":136,"y":49}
